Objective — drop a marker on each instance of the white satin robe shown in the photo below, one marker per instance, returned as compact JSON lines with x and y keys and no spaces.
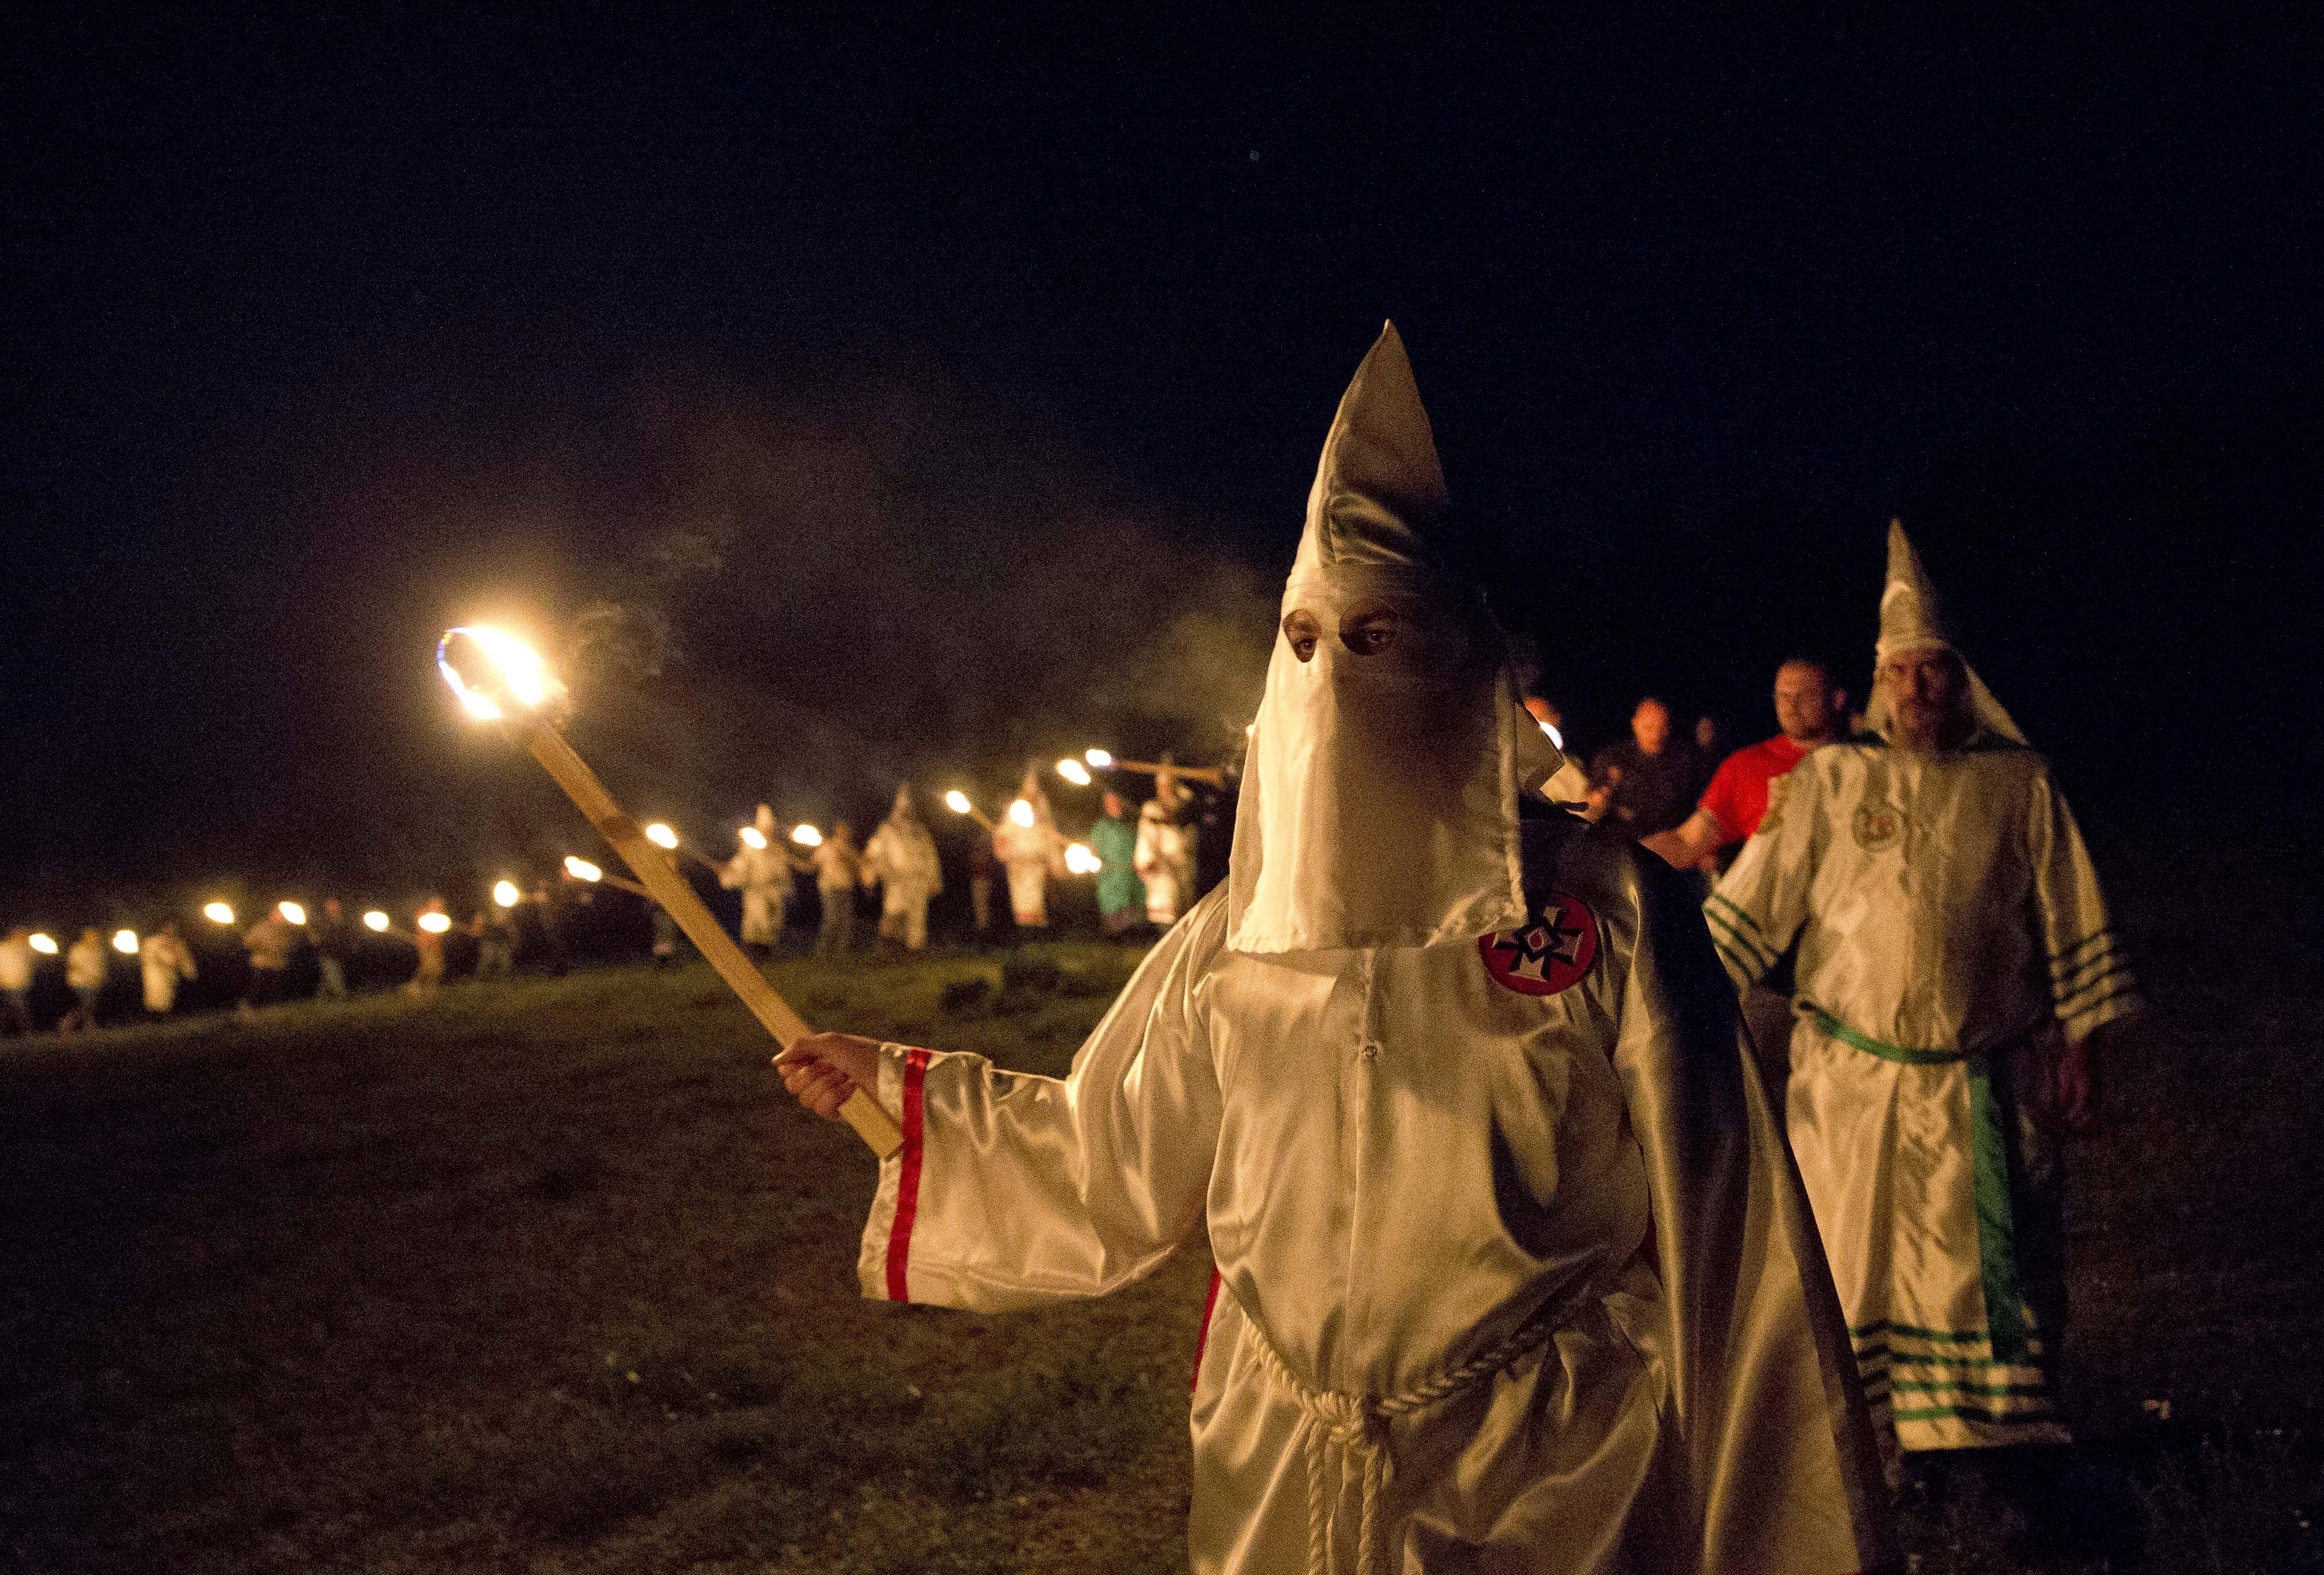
{"x":903,"y":856}
{"x":1951,"y":929}
{"x":1403,"y":1161}
{"x":764,"y":877}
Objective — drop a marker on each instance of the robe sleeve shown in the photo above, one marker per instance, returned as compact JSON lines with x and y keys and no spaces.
{"x":2091,"y":981}
{"x":1012,"y":1189}
{"x":1756,"y":911}
{"x":1772,"y":1432}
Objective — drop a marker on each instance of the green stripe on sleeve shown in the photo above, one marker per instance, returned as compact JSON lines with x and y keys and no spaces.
{"x":2071,"y":957}
{"x":2090,"y":967}
{"x":1728,"y":938}
{"x":2065,"y":994}
{"x":2124,"y":985}
{"x":1737,"y":966}
{"x":1742,"y":916}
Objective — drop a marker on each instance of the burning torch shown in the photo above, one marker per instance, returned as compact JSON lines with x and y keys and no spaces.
{"x":581,"y":870}
{"x":958,"y":802}
{"x":512,"y":685}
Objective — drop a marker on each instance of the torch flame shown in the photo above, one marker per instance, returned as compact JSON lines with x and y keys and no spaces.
{"x":435,"y":924}
{"x":806,"y":836}
{"x":292,"y":911}
{"x":505,"y":892}
{"x":1082,"y":860}
{"x":125,"y":942}
{"x":1074,"y":772}
{"x":1098,"y":759}
{"x":375,"y":920}
{"x":44,"y":943}
{"x":1021,"y":813}
{"x":957,"y":802}
{"x":581,"y":870}
{"x":523,"y":676}
{"x":752,"y":837}
{"x":661,"y":836}
{"x":218,"y":913}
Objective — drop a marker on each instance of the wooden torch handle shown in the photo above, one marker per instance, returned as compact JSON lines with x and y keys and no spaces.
{"x":1212,"y":776}
{"x":659,"y":872}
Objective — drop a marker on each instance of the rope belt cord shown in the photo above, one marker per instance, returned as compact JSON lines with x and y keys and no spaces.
{"x":1358,"y":1424}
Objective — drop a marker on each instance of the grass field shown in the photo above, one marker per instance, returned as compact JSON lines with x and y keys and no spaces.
{"x":546,"y":1276}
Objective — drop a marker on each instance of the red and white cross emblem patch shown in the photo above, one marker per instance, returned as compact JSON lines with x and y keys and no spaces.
{"x":1548,"y":956}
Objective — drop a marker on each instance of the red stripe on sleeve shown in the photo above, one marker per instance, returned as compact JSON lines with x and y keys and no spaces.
{"x":907,"y":1185}
{"x":1203,"y":1337}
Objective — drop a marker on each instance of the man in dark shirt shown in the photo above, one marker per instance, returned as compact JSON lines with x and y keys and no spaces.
{"x":1647,"y":782}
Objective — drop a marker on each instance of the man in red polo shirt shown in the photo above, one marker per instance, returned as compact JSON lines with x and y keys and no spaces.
{"x":1809,"y":711}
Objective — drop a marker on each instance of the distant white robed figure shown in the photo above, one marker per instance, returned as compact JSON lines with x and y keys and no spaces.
{"x":1954,"y":958}
{"x":1031,"y":850}
{"x":165,"y":961}
{"x":763,"y":872}
{"x":1164,"y":855}
{"x":1512,"y":1271}
{"x":901,"y":856}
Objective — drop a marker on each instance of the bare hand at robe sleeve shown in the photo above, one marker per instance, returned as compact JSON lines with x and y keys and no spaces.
{"x":1012,"y":1189}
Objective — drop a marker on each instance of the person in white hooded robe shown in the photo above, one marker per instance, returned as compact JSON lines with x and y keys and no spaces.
{"x":1163,"y":856}
{"x":1954,"y":958}
{"x":762,"y":871}
{"x":1031,"y":850}
{"x":164,"y":961}
{"x":902,"y":857}
{"x":1512,"y":1272}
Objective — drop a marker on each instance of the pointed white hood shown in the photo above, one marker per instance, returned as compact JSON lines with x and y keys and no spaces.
{"x":1913,"y":619}
{"x":1379,"y":802}
{"x":1031,"y":792}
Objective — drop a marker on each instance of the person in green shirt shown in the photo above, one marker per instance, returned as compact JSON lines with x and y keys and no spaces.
{"x":1120,"y":894}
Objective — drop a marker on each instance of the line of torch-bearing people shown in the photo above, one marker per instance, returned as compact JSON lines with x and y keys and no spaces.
{"x":167,"y":959}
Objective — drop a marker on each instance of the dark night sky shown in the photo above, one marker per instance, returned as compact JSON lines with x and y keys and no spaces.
{"x":931,"y":385}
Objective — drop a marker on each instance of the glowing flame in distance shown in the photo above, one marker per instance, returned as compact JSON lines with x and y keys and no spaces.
{"x":581,"y":870}
{"x":1074,"y":772}
{"x":44,"y":943}
{"x":218,"y":913}
{"x":125,"y":942}
{"x":661,"y":836}
{"x":806,"y":836}
{"x":1098,"y":759}
{"x":957,"y":802}
{"x":1082,"y":860}
{"x":376,"y":921}
{"x":505,"y":892}
{"x":435,"y":924}
{"x":292,"y":911}
{"x":752,"y":837}
{"x":1021,"y":812}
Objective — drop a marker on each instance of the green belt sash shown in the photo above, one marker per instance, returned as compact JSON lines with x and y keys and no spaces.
{"x":1997,"y":1228}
